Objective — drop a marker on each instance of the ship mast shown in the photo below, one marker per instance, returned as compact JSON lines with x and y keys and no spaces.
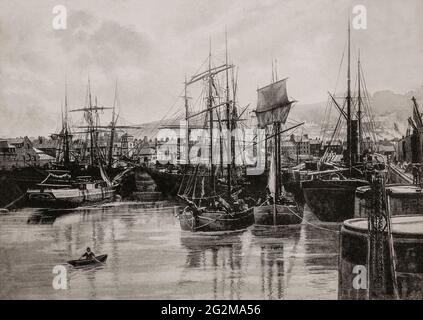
{"x":228,"y":118}
{"x":349,"y":144}
{"x":277,"y":147}
{"x":234,"y":115}
{"x":112,"y":129}
{"x":61,"y":144}
{"x":210,"y":107}
{"x":96,"y":134}
{"x":66,"y":158}
{"x":208,"y":76}
{"x":90,"y":124}
{"x":92,"y":119}
{"x":273,"y":107}
{"x":360,"y":130}
{"x":187,"y":120}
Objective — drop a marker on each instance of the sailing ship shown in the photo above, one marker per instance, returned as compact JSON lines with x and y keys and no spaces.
{"x":112,"y":163}
{"x":65,"y":186}
{"x":219,"y":206}
{"x":330,"y":193}
{"x":61,"y":191}
{"x":273,"y":107}
{"x":169,"y":177}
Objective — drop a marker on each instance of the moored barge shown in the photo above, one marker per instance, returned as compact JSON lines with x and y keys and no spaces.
{"x":69,"y":193}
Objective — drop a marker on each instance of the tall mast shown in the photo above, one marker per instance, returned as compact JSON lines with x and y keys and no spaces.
{"x":90,"y":123}
{"x":66,"y":158}
{"x":228,"y":118}
{"x":112,"y":130}
{"x":186,"y":119}
{"x":210,"y":105}
{"x":234,"y":115}
{"x":360,"y":130}
{"x":276,"y":128}
{"x":61,"y":144}
{"x":349,"y":146}
{"x":96,"y":124}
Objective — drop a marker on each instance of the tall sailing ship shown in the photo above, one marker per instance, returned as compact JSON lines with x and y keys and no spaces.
{"x":212,"y":193}
{"x":69,"y":185}
{"x":330,"y":191}
{"x":171,"y":176}
{"x":273,"y":107}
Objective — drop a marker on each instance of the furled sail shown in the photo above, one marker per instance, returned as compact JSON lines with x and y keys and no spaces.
{"x":273,"y":104}
{"x":271,"y":179}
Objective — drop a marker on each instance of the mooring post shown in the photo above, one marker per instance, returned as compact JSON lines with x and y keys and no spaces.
{"x":392,"y":255}
{"x":376,"y":227}
{"x":381,"y":265}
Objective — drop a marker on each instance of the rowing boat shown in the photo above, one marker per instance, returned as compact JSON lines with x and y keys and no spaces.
{"x":87,"y":262}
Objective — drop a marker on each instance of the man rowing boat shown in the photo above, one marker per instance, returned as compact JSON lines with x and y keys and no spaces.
{"x":89,"y":255}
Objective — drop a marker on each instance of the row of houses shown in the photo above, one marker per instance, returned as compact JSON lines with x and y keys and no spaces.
{"x":123,"y":146}
{"x":293,"y":147}
{"x":300,"y":145}
{"x":42,"y":151}
{"x":21,"y":152}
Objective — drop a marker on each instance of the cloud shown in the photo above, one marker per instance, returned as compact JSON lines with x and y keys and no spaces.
{"x":107,"y":44}
{"x":149,"y":47}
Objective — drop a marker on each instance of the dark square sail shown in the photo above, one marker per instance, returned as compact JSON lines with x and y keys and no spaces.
{"x":273,"y":105}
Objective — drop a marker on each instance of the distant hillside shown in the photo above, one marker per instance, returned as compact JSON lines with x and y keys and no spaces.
{"x":390,"y":109}
{"x":386,"y":102}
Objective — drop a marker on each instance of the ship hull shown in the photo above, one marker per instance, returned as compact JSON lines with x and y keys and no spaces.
{"x":331,"y":200}
{"x":285,"y":215}
{"x":168,"y":183}
{"x":68,"y":198}
{"x":212,"y":221}
{"x":26,"y":177}
{"x":255,"y":185}
{"x":294,"y":187}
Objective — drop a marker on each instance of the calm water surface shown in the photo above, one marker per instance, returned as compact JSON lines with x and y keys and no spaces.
{"x":149,"y":257}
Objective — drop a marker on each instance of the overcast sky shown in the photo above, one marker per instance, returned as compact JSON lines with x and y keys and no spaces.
{"x":149,"y":46}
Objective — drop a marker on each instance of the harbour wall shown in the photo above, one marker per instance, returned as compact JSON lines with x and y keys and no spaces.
{"x":9,"y":191}
{"x":15,"y":182}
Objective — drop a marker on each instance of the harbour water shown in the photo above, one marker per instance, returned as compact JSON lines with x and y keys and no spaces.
{"x":149,"y":257}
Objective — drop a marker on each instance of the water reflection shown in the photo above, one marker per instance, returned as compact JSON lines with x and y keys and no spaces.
{"x":45,"y":216}
{"x":149,"y":257}
{"x":278,"y":248}
{"x":220,"y":255}
{"x":321,"y":246}
{"x":272,"y":255}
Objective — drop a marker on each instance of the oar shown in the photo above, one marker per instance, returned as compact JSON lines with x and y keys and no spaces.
{"x":95,"y":259}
